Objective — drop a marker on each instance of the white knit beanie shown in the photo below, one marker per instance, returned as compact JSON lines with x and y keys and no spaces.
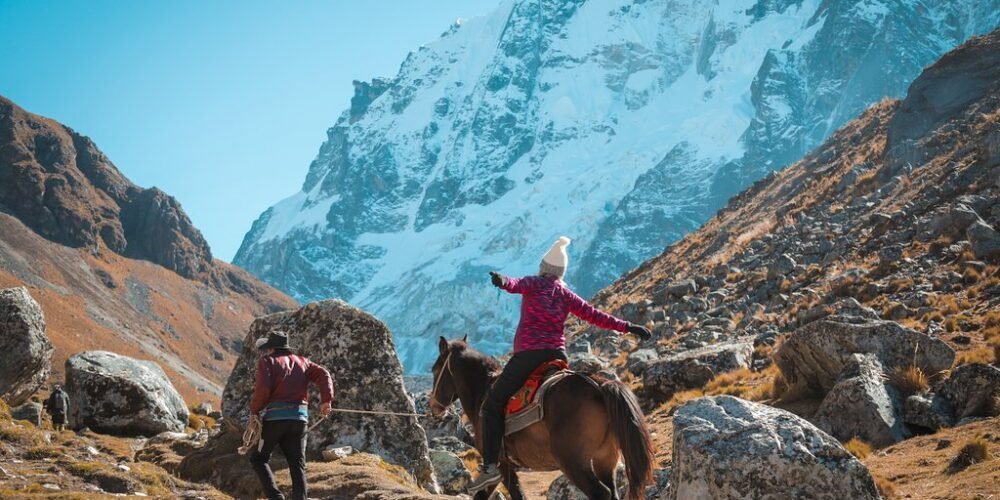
{"x":555,"y":261}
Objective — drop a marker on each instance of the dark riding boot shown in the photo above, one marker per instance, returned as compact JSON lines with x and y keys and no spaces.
{"x":489,"y":475}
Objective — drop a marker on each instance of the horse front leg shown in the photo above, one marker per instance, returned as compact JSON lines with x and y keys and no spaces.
{"x":511,"y":482}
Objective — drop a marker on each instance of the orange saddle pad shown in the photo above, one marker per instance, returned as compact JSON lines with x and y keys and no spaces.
{"x":526,"y":394}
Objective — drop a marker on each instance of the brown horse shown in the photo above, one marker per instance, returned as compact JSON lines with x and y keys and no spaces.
{"x":584,"y":431}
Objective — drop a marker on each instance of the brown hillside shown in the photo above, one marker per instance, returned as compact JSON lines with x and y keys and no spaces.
{"x":898,"y":210}
{"x":116,"y":266}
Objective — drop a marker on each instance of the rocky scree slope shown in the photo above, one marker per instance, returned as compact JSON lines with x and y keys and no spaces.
{"x":113,"y":265}
{"x":859,"y":288}
{"x":623,"y":124}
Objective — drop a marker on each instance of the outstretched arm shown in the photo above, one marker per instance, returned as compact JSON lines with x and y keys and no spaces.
{"x":581,"y":309}
{"x":508,"y":284}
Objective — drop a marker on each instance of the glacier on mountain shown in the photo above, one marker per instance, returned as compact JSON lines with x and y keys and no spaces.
{"x":623,"y":124}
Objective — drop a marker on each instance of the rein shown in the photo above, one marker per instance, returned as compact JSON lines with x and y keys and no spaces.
{"x":434,"y":399}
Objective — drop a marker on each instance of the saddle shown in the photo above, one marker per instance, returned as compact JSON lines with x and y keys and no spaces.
{"x":526,"y":406}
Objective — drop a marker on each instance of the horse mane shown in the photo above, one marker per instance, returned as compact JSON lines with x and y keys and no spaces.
{"x":491,"y":364}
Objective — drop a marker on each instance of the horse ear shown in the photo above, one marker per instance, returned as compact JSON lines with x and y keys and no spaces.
{"x":442,"y":345}
{"x":466,"y":338}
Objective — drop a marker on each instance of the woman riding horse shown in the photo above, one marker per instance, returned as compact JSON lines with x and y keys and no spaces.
{"x":545,"y":304}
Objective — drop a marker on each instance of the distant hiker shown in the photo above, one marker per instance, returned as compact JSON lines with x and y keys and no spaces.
{"x":545,"y":304}
{"x":280,"y":395}
{"x":57,"y":406}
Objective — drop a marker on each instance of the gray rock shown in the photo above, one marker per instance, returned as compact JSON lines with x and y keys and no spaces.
{"x":681,"y":289}
{"x":25,"y":350}
{"x":359,"y":352}
{"x":951,"y":221}
{"x":970,"y":390}
{"x":694,"y":368}
{"x":448,"y":443}
{"x":453,"y":477}
{"x":928,"y":411}
{"x":985,"y":241}
{"x":782,"y":267}
{"x":116,"y":394}
{"x":862,"y":405}
{"x":586,"y":363}
{"x":814,"y":355}
{"x":890,"y":255}
{"x":728,"y":448}
{"x":638,"y":360}
{"x":30,"y":411}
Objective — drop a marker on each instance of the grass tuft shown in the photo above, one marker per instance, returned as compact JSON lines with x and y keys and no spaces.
{"x":909,"y":380}
{"x":858,"y":448}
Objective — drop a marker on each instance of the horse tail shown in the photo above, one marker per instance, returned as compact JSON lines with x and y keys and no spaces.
{"x":630,"y":429}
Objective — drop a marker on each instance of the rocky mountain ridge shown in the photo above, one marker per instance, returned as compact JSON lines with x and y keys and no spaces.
{"x":113,"y":265}
{"x":622,"y":124}
{"x":858,"y":288}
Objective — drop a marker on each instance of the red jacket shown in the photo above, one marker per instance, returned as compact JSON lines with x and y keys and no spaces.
{"x":285,"y":377}
{"x":545,"y":304}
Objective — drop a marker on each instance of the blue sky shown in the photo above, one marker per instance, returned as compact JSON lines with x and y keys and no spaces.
{"x":221,"y":104}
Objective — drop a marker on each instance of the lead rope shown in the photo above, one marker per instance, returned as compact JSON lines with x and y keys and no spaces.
{"x":251,"y":436}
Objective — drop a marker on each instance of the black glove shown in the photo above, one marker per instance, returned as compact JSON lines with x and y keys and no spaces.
{"x":497,"y":280}
{"x":639,"y":331}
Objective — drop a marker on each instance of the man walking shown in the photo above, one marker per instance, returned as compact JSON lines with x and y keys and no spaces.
{"x":281,"y":396}
{"x":57,"y":406}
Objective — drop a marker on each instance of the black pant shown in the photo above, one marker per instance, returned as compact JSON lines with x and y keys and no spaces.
{"x":290,"y":436}
{"x":514,"y":375}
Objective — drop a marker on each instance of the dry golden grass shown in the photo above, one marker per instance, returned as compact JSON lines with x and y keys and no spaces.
{"x":983,"y":354}
{"x":885,"y":486}
{"x":679,"y":398}
{"x":858,"y":448}
{"x":909,"y":380}
{"x":199,"y":422}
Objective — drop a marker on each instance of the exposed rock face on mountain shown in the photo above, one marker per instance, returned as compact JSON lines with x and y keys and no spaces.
{"x":856,"y":272}
{"x":851,"y":215}
{"x":113,"y":265}
{"x":25,"y":350}
{"x":60,"y":185}
{"x":358,"y":351}
{"x":623,"y":124}
{"x":120,"y":395}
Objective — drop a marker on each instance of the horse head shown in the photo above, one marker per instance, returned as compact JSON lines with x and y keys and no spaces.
{"x":444,"y":392}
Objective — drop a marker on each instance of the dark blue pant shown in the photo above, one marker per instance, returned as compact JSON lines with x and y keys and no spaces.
{"x":290,"y":436}
{"x":513,"y":376}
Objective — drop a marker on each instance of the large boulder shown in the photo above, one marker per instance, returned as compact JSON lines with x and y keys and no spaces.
{"x":29,"y":412}
{"x":25,"y":350}
{"x":862,"y":405}
{"x":452,"y":475}
{"x":985,"y":241}
{"x":728,"y":448}
{"x":814,"y":355}
{"x":116,"y":394}
{"x":694,"y":368}
{"x":358,"y":351}
{"x":971,"y":390}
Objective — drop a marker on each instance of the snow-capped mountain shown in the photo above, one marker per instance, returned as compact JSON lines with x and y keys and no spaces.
{"x":623,"y":124}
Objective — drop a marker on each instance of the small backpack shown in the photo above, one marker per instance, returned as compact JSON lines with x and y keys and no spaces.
{"x":58,"y":401}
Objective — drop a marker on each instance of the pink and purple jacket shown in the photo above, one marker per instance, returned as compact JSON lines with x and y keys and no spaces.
{"x":545,"y":305}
